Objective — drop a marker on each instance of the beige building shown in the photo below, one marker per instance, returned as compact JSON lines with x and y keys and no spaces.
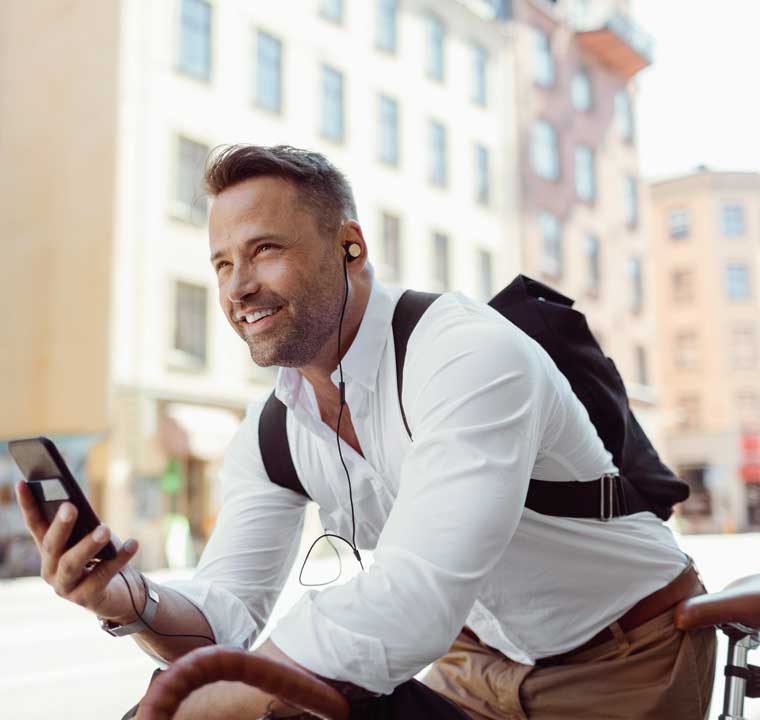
{"x":582,"y":228}
{"x":114,"y":343}
{"x":706,"y":235}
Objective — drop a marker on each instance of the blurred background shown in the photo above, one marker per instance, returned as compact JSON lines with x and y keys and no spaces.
{"x":605,"y":147}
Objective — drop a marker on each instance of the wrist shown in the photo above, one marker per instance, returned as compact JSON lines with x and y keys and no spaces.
{"x":128,"y":607}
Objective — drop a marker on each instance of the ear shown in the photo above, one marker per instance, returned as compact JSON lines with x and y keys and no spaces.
{"x":352,"y":241}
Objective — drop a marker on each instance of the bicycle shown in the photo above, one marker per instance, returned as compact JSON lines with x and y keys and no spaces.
{"x":734,"y":610}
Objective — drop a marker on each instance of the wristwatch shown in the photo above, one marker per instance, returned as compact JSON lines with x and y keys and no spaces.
{"x":149,"y":612}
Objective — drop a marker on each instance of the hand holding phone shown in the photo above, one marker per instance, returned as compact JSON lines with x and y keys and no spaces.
{"x":78,"y":558}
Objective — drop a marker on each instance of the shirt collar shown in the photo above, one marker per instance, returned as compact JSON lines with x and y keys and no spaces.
{"x":361,"y":362}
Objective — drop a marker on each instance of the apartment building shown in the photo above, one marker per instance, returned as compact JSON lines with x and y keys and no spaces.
{"x":117,"y":348}
{"x":582,"y":225}
{"x":706,"y":234}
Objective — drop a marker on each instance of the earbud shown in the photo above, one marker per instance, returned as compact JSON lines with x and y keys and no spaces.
{"x":353,"y":250}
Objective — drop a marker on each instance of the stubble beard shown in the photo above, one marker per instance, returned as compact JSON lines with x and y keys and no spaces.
{"x":309,"y":319}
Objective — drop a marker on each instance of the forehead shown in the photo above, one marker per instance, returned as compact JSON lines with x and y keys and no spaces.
{"x":258,"y":206}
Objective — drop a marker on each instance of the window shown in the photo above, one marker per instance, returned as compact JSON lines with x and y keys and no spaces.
{"x":268,"y":72}
{"x":441,"y":262}
{"x":436,"y":36}
{"x":737,"y":281}
{"x":743,"y":348}
{"x":332,"y":104}
{"x":485,"y":271}
{"x":593,"y":266}
{"x":732,"y":220}
{"x":544,"y":150}
{"x":624,"y":115}
{"x":331,"y":10}
{"x":543,"y":68}
{"x":386,"y":32}
{"x":585,"y":177}
{"x":637,"y":284}
{"x":551,"y":240}
{"x":190,"y":323}
{"x":686,"y":350}
{"x":580,"y":90}
{"x":682,"y":283}
{"x":482,"y":176}
{"x":195,"y":39}
{"x":631,"y":201}
{"x":391,"y":248}
{"x":190,"y":202}
{"x":679,"y":224}
{"x":479,"y":74}
{"x":642,"y":366}
{"x":689,"y":413}
{"x":388,"y":150}
{"x":438,"y":162}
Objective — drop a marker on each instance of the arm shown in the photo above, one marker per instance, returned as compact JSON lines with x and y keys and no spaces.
{"x":244,"y":565}
{"x":475,"y":394}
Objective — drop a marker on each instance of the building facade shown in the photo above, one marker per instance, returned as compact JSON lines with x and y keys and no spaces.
{"x":119,"y":351}
{"x":581,"y":220}
{"x":706,"y":230}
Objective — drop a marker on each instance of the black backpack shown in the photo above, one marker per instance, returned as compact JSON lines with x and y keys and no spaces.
{"x":644,"y":482}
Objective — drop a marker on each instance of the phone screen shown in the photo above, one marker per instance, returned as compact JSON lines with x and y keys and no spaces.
{"x":52,"y":483}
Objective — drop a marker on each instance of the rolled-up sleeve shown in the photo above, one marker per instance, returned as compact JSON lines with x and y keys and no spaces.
{"x":252,"y":547}
{"x":473,"y":393}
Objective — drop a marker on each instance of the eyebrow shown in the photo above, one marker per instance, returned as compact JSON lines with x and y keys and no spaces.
{"x":247,"y":243}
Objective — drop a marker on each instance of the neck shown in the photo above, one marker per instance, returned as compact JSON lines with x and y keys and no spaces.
{"x":319,"y":370}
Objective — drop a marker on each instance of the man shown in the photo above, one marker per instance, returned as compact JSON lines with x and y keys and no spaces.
{"x":559,"y":618}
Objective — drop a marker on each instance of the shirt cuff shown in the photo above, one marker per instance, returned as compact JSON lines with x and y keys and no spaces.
{"x":313,"y":640}
{"x":226,"y":613}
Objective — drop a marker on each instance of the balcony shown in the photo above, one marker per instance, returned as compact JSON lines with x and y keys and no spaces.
{"x":617,"y":42}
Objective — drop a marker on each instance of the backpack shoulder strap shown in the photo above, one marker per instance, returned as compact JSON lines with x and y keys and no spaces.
{"x":275,"y":448}
{"x":410,"y":308}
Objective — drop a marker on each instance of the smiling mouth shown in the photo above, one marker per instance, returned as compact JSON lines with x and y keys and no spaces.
{"x":259,"y":318}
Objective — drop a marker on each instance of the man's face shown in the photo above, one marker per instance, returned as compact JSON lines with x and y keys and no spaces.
{"x":269,"y":255}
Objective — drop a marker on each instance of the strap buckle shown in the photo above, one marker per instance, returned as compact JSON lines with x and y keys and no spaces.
{"x":607,"y":496}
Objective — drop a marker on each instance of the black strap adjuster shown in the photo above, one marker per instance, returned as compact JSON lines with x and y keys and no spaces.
{"x":608,"y":491}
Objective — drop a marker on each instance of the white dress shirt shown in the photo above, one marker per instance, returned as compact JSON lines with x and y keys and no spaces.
{"x":444,"y":515}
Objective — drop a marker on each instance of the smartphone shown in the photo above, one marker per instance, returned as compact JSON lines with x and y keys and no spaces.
{"x":52,"y":484}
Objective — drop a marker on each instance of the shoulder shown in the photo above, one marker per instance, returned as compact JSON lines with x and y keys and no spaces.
{"x":455,"y":323}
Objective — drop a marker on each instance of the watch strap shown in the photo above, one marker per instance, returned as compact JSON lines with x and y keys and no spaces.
{"x":149,"y":612}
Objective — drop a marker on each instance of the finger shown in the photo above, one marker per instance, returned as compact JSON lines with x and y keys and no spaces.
{"x":71,"y":566}
{"x":93,"y":586}
{"x":54,"y":541}
{"x":33,"y":518}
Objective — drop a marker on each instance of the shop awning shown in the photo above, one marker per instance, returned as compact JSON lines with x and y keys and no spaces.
{"x":197,"y":431}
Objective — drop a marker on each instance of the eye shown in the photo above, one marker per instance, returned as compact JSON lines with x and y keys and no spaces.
{"x":262,"y":247}
{"x":220,"y":265}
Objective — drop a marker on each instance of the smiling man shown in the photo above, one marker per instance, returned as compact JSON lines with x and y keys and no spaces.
{"x":525,"y":615}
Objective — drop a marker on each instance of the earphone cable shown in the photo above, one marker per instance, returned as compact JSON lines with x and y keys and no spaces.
{"x":147,"y":624}
{"x":342,"y":390}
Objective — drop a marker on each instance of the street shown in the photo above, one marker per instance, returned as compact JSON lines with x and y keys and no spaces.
{"x":56,"y":663}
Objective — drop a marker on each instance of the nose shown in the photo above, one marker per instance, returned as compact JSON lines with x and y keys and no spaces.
{"x":242,"y":283}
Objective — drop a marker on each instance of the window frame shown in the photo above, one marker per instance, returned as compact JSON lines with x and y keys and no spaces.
{"x":545,"y":149}
{"x":330,"y":71}
{"x":260,"y":34}
{"x":182,"y":358}
{"x":181,"y":65}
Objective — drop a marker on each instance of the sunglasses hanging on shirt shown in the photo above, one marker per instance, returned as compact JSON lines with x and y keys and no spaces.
{"x":352,"y":251}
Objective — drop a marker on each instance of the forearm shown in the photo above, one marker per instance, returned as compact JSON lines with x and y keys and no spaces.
{"x":175,"y":615}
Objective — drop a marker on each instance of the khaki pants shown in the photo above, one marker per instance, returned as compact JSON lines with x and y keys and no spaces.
{"x":653,"y":672}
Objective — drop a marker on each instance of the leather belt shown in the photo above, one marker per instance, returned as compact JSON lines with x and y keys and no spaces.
{"x":686,"y":585}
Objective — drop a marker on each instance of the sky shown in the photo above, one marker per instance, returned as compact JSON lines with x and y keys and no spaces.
{"x":699,"y":102}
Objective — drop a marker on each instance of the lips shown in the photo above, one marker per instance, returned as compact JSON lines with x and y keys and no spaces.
{"x":257,"y":321}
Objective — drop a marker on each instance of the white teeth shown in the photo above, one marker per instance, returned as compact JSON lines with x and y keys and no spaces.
{"x":253,"y":317}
